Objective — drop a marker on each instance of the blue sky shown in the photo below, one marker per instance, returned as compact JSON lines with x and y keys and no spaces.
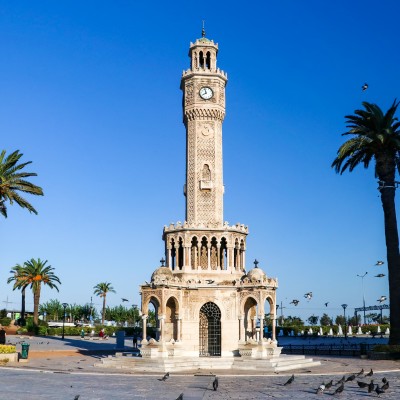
{"x":90,"y":94}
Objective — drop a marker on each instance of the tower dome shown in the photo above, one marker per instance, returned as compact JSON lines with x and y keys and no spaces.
{"x":256,"y":273}
{"x":162,"y":273}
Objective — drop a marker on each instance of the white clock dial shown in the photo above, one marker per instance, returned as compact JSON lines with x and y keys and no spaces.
{"x":206,"y":93}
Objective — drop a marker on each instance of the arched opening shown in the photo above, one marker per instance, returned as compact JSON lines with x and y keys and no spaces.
{"x":250,"y":318}
{"x":194,"y":253}
{"x":204,"y":253}
{"x":153,"y":323}
{"x":223,"y":251}
{"x":179,"y":262}
{"x":214,"y":254}
{"x":206,"y":173}
{"x":269,"y":315}
{"x":201,"y":59}
{"x":173,"y":254}
{"x":208,"y":60}
{"x":210,"y":331}
{"x":171,"y":321}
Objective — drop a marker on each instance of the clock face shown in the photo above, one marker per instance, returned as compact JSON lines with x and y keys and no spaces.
{"x":206,"y":93}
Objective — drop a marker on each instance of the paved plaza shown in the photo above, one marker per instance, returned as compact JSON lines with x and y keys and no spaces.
{"x":58,"y":369}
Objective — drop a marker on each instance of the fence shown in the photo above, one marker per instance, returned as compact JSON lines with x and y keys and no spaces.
{"x":351,"y":350}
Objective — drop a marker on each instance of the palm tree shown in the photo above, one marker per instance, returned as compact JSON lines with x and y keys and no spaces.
{"x":16,"y":278}
{"x":12,"y":181}
{"x":101,"y":289}
{"x":34,"y":273}
{"x":376,"y":136}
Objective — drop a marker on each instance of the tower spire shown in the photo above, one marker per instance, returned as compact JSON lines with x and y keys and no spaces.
{"x":203,"y":31}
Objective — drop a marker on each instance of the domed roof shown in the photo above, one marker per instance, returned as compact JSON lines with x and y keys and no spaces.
{"x":162,"y":273}
{"x":257,"y":274}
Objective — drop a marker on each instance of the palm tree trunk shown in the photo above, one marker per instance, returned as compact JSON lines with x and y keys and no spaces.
{"x":22,"y":318}
{"x":104,"y":310}
{"x":393,"y":259}
{"x":36,"y":300}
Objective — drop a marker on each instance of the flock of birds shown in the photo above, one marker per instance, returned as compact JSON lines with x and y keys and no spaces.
{"x":180,"y":397}
{"x":340,"y":384}
{"x":308,"y":296}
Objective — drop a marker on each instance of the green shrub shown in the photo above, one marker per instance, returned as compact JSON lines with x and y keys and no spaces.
{"x":22,"y":331}
{"x":5,"y":321}
{"x":42,"y":330}
{"x":7,"y":349}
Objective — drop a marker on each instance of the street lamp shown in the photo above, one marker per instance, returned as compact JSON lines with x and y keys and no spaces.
{"x":65,"y":305}
{"x":345,"y":326}
{"x":362,"y":282}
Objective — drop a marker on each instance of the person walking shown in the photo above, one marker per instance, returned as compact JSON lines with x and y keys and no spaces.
{"x":3,"y":336}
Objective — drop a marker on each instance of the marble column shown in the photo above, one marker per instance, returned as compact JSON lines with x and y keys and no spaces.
{"x":144,"y":327}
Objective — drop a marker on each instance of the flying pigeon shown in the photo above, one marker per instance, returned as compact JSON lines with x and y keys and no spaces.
{"x":291,"y":379}
{"x":382,"y":299}
{"x":209,"y":281}
{"x":215,"y":384}
{"x":308,"y":295}
{"x":364,"y":87}
{"x":124,"y":299}
{"x":295,"y":302}
{"x":326,"y":304}
{"x":379,"y":276}
{"x":379,"y":263}
{"x":165,"y":377}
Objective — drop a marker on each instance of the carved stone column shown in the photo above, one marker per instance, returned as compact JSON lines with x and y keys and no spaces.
{"x":144,"y":327}
{"x":273,"y":326}
{"x":178,"y":328}
{"x":241,"y":328}
{"x":161,"y":319}
{"x":261,"y":328}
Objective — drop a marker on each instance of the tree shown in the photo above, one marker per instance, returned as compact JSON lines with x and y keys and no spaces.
{"x":293,"y":321}
{"x":325,"y":320}
{"x":16,"y":278}
{"x":313,"y":320}
{"x":376,"y":136}
{"x":340,"y":320}
{"x":101,"y":290}
{"x":34,"y":273}
{"x":12,"y":181}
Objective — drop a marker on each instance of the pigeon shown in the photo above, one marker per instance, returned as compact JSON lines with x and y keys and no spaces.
{"x":382,"y":299}
{"x":379,"y":390}
{"x":379,"y":276}
{"x":180,"y":397}
{"x":364,"y":87}
{"x":339,"y":389}
{"x":77,"y":397}
{"x":165,"y":377}
{"x":371,"y":386}
{"x":326,"y":304}
{"x":361,"y":372}
{"x":209,"y":281}
{"x":295,"y":302}
{"x":321,"y":389}
{"x":124,"y":299}
{"x":308,"y":295}
{"x":370,"y":373}
{"x":379,"y":263}
{"x":385,"y":386}
{"x":340,"y":380}
{"x":215,"y":384}
{"x":362,"y":384}
{"x":291,"y":379}
{"x":350,"y":378}
{"x":384,"y":380}
{"x":329,"y":385}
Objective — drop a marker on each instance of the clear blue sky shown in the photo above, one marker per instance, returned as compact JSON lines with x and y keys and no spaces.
{"x":90,"y":94}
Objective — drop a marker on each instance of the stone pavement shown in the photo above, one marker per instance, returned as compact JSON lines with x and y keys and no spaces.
{"x":59,"y":369}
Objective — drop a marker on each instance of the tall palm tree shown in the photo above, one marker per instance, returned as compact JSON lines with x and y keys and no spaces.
{"x":34,"y":273}
{"x":101,"y":290}
{"x":16,"y":277}
{"x":376,"y":137}
{"x":12,"y":181}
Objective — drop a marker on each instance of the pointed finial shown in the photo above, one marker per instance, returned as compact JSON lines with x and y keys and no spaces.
{"x":256,"y":263}
{"x":203,"y":31}
{"x":162,"y":261}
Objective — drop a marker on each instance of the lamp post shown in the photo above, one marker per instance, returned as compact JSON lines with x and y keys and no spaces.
{"x":345,"y":325}
{"x":362,"y":283}
{"x":65,"y":305}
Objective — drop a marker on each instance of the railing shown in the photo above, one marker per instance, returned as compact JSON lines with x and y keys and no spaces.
{"x":351,"y":350}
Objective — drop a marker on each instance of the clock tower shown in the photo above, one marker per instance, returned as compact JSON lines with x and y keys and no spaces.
{"x":203,"y":86}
